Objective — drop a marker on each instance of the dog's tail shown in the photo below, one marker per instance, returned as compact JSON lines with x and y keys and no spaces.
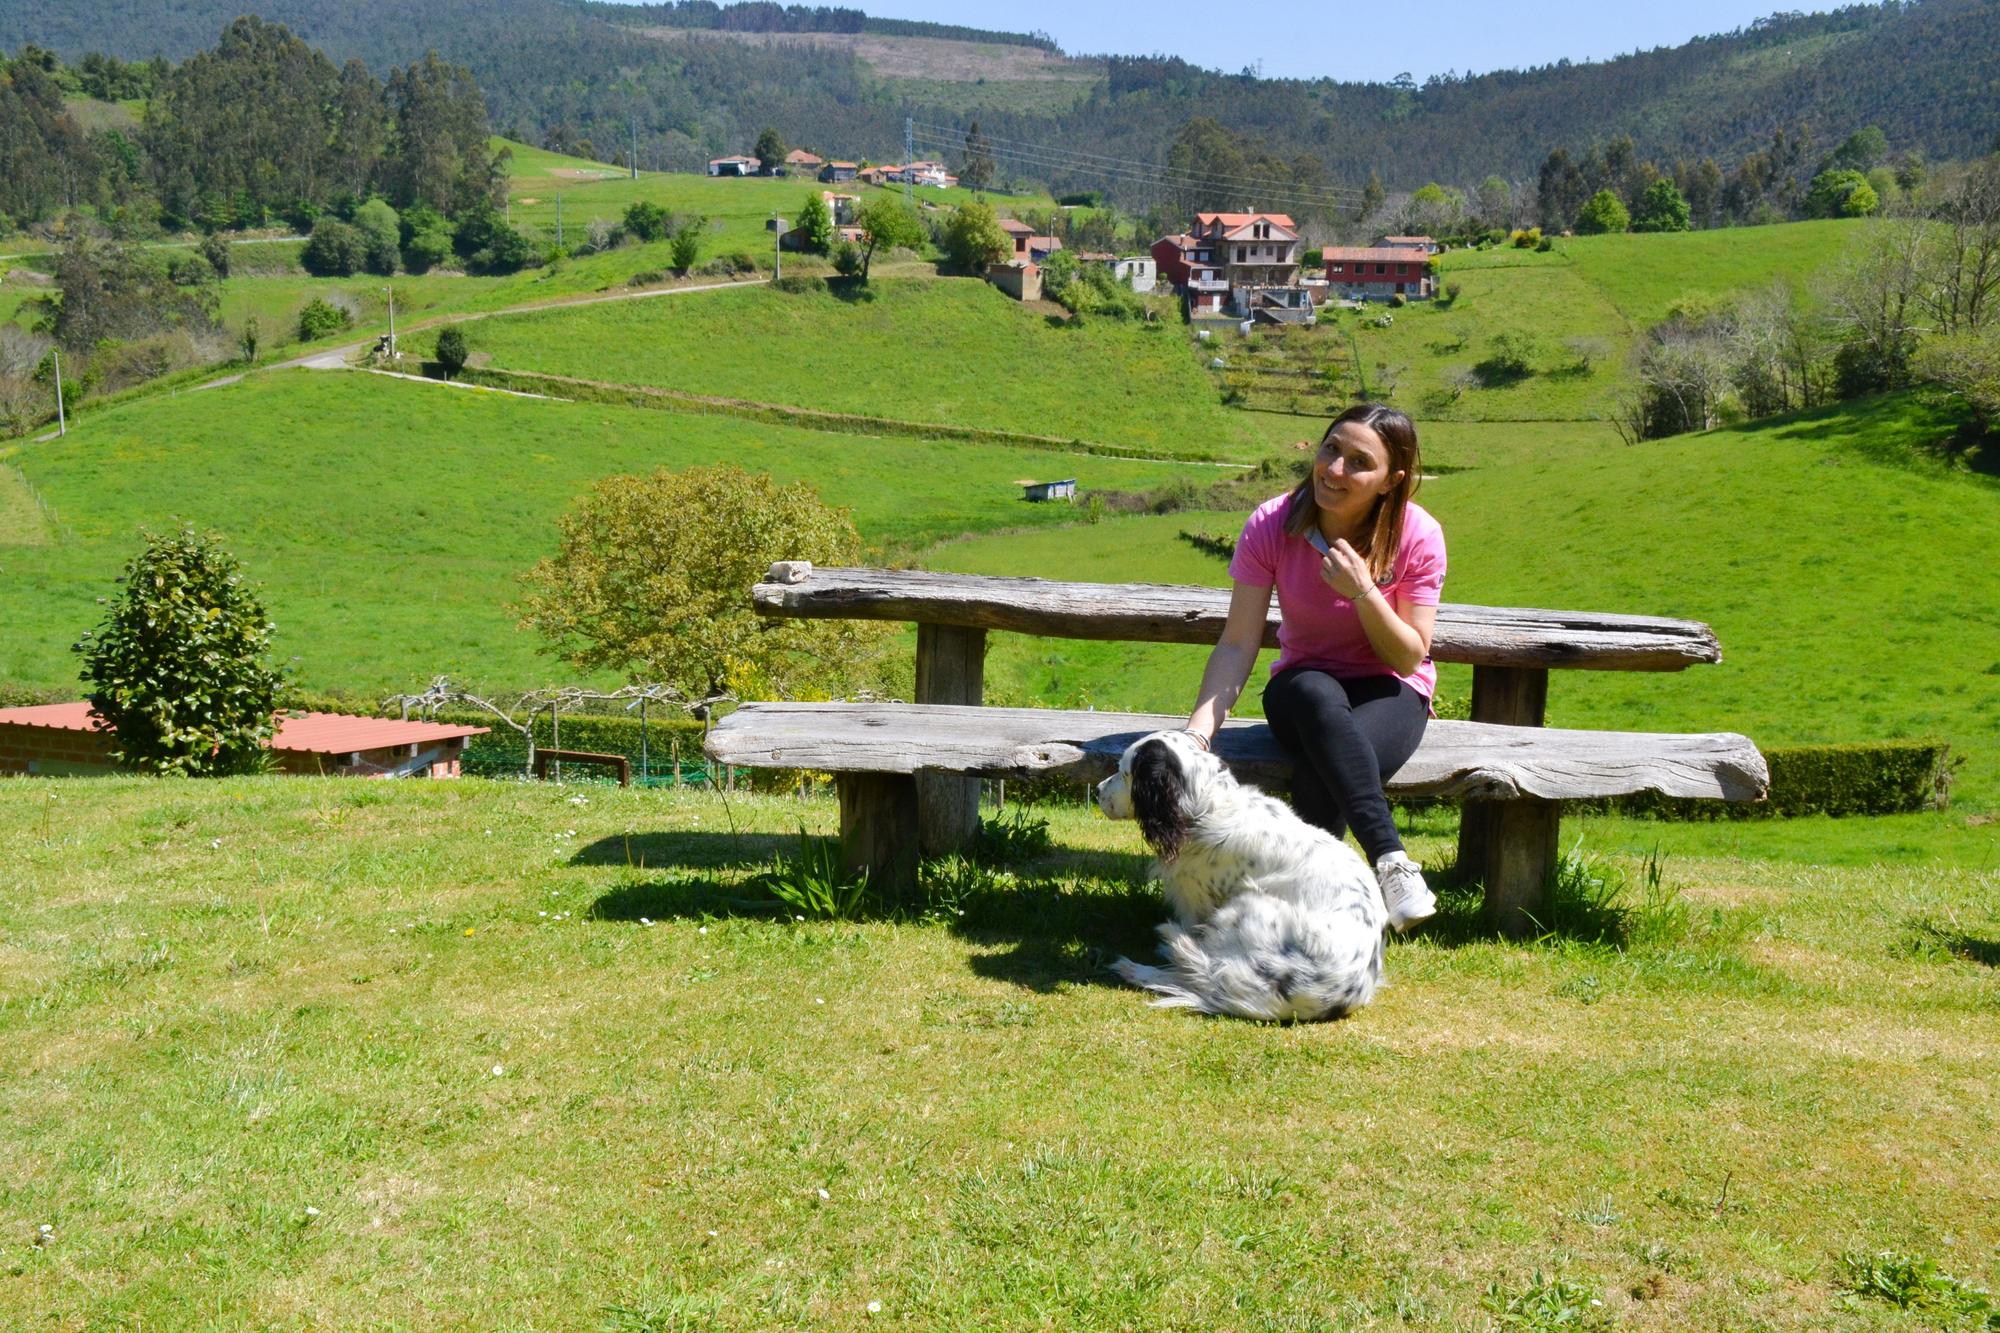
{"x":1265,"y":958}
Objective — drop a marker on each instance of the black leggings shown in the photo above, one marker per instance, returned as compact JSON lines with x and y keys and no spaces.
{"x":1346,"y":738}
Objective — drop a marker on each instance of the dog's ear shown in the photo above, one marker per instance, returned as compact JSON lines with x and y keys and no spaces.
{"x":1159,"y":797}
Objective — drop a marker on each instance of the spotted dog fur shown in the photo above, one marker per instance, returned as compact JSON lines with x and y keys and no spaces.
{"x":1273,"y":919}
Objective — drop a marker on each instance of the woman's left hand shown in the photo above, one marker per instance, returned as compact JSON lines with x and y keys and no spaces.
{"x":1346,"y":572}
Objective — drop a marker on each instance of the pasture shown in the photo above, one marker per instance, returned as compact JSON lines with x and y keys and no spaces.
{"x":297,"y":1052}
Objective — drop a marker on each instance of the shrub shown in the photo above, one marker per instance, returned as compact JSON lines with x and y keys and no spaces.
{"x":1452,"y":291}
{"x":799,"y":284}
{"x":320,"y":319}
{"x":248,"y":338}
{"x":648,"y":221}
{"x":189,"y":270}
{"x":177,"y":667}
{"x":1604,"y":213}
{"x":1397,"y":301}
{"x":334,"y":250}
{"x":1870,"y":778}
{"x":426,"y":237}
{"x":687,"y":244}
{"x":734,"y":264}
{"x":451,"y":350}
{"x":1841,"y":194}
{"x":1526,"y":238}
{"x":1662,"y":208}
{"x":215,"y":249}
{"x":646,"y":278}
{"x":847,"y":259}
{"x":1546,"y":244}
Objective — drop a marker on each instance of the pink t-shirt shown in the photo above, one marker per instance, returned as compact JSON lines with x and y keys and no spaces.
{"x":1317,"y":626}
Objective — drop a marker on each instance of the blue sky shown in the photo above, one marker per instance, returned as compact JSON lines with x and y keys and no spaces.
{"x":1313,"y":38}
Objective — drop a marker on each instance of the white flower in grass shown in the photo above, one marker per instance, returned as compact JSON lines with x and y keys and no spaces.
{"x":824,"y":1195}
{"x":311,"y":1211}
{"x":645,"y":921}
{"x":702,"y":931}
{"x":874,"y":1307}
{"x":499,"y":1070}
{"x":817,"y":1000}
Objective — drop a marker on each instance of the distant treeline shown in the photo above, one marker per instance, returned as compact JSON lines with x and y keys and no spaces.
{"x":762,"y":16}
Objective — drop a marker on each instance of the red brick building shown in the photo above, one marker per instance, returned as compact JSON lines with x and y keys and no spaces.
{"x":1375,"y":273}
{"x":66,"y":740}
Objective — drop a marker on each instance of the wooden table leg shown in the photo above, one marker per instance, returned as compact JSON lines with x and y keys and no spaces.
{"x":878,"y":824}
{"x":951,"y":669}
{"x":1499,"y":845}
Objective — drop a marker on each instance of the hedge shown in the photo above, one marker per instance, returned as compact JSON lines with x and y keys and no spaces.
{"x":1870,"y":778}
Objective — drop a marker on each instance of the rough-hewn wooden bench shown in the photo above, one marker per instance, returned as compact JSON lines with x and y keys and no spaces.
{"x":622,"y":764}
{"x":908,"y":774}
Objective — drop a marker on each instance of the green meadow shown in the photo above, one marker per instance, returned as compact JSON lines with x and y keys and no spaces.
{"x":387,"y":520}
{"x":948,"y":350}
{"x":291,"y":1053}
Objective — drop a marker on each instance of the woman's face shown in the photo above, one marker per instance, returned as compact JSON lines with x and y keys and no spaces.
{"x":1351,"y":471}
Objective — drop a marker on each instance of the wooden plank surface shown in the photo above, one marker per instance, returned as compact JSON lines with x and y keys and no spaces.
{"x":1164,"y":613}
{"x":1462,"y":759}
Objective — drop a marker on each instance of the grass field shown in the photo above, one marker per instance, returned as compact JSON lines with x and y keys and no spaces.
{"x":387,"y":519}
{"x":1778,"y":535}
{"x":319,"y":1053}
{"x":949,"y":350}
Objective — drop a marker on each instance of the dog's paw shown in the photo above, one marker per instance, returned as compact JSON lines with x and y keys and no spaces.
{"x":790,"y":571}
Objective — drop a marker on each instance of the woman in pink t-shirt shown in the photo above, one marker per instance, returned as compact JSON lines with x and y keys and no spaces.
{"x":1357,"y":568}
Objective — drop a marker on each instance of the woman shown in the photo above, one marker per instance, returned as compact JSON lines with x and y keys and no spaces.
{"x":1358,"y":569}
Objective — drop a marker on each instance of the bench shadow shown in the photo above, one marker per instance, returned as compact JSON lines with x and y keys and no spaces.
{"x":719,"y":849}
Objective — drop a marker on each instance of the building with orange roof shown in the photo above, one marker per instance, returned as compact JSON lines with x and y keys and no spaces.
{"x":1238,"y":265}
{"x":70,"y":740}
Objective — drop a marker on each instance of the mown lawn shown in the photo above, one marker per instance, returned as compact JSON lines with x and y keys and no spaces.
{"x":387,"y":520}
{"x":949,"y":350}
{"x":1777,"y":534}
{"x":318,"y":1053}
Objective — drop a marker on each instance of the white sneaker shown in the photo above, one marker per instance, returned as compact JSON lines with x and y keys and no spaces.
{"x":1409,"y":900}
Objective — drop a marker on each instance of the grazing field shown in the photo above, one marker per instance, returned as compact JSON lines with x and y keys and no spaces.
{"x":298,"y":1052}
{"x":949,"y":350}
{"x":1777,"y":534}
{"x":387,"y":519}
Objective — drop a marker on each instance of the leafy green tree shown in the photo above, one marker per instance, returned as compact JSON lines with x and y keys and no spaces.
{"x":648,"y":221}
{"x":109,"y":291}
{"x":687,"y":243}
{"x":770,"y":150}
{"x":177,"y":667}
{"x":886,"y":223}
{"x":1841,"y":194}
{"x":1560,"y":191}
{"x":976,"y":172}
{"x":1861,"y":150}
{"x":815,"y":224}
{"x":1965,"y":369}
{"x":248,"y":338}
{"x":215,"y":249}
{"x":381,"y":236}
{"x":334,"y":250}
{"x":451,"y":351}
{"x":320,"y":319}
{"x":972,"y":238}
{"x":847,"y":259}
{"x":427,"y":237}
{"x":439,"y":152}
{"x":651,"y":578}
{"x":1662,"y":208}
{"x":1604,"y":213}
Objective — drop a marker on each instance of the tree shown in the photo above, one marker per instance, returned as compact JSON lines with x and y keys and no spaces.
{"x":1841,"y":194}
{"x":215,"y":249}
{"x":1861,"y":150}
{"x":177,"y":667}
{"x":847,"y":259}
{"x":885,"y":224}
{"x":649,"y":576}
{"x":1559,"y":191}
{"x":972,"y":238}
{"x":426,"y":238}
{"x":319,"y":319}
{"x":1965,"y":368}
{"x":334,"y":250}
{"x":648,"y":221}
{"x":687,"y":243}
{"x":1604,"y":213}
{"x":381,"y":236}
{"x":976,"y":172}
{"x":248,"y":338}
{"x":1434,"y":210}
{"x":770,"y":150}
{"x":1372,"y":195}
{"x":815,"y":224}
{"x":451,"y":350}
{"x":1662,"y":208}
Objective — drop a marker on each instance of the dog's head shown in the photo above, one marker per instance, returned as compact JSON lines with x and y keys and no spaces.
{"x":1157,"y":782}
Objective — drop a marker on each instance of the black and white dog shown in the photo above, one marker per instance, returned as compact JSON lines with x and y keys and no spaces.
{"x":1273,"y":919}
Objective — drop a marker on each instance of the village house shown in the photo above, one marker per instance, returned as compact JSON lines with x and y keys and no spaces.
{"x":1189,"y":265}
{"x":1022,"y":279}
{"x":1423,"y":243}
{"x":843,"y":209}
{"x":835,"y":173}
{"x":1376,"y":273}
{"x":66,"y":740}
{"x":799,"y":162}
{"x":732,"y":166}
{"x":1139,"y":272}
{"x":1027,"y":244}
{"x":1238,"y":265}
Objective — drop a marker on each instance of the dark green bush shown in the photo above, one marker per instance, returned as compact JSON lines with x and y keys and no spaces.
{"x":451,"y":350}
{"x":799,"y":284}
{"x":646,"y":278}
{"x":335,"y":250}
{"x":319,"y":319}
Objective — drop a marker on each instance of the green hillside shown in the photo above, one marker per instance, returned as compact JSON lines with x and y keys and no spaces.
{"x":1798,"y":540}
{"x":935,"y":350}
{"x":387,"y":520}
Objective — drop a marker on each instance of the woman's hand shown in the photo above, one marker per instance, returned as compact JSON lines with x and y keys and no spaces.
{"x":1346,"y":572}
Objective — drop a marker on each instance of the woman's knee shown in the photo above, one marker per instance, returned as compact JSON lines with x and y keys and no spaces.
{"x":1310,"y":699}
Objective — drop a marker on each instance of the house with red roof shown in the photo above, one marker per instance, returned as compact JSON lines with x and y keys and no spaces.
{"x":70,"y":740}
{"x":1239,"y":266}
{"x":1378,"y":272}
{"x":1028,"y":244}
{"x":733,"y":166}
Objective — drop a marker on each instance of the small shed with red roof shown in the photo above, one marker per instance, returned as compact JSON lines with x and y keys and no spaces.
{"x":71,"y":740}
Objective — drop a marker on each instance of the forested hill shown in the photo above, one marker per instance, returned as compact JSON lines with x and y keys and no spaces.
{"x":698,"y":79}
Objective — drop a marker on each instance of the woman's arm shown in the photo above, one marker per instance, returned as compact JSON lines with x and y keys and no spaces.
{"x":1399,"y":632}
{"x":1230,"y":662}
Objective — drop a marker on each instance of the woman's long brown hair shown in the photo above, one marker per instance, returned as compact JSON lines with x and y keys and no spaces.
{"x":1382,"y":531}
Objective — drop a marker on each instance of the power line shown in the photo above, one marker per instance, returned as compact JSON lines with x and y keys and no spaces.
{"x":1084,"y":161}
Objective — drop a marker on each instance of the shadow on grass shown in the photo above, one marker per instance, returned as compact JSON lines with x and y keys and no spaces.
{"x":1927,"y":938}
{"x":673,"y":851}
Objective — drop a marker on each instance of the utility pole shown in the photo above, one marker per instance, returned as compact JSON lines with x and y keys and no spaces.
{"x":778,"y":262}
{"x":909,"y":155}
{"x":558,"y":219}
{"x":634,"y":156}
{"x":62,"y":422}
{"x":392,"y":324}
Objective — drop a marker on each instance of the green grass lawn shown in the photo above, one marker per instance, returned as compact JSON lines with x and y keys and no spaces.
{"x":387,"y":519}
{"x":948,"y":350}
{"x":1779,"y":535}
{"x":324,"y":1053}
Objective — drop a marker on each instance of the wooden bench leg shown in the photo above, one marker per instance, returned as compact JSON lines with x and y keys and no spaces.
{"x":878,"y":828}
{"x":951,"y":669}
{"x":1520,"y":855}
